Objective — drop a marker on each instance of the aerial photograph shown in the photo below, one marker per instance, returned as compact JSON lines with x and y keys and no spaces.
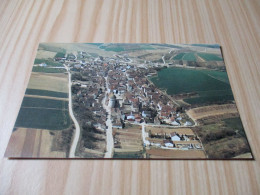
{"x":128,"y":101}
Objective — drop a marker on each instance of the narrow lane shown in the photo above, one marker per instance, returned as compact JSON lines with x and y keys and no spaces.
{"x":163,"y":60}
{"x":145,"y":135}
{"x":77,"y":130}
{"x":109,"y":138}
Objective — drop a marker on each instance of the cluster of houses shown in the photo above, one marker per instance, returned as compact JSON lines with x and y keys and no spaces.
{"x":129,"y":93}
{"x":131,"y":96}
{"x":137,"y":99}
{"x":175,"y":140}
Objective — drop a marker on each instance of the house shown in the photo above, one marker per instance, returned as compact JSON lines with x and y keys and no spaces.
{"x":188,"y":123}
{"x":130,"y":117}
{"x":79,"y":93}
{"x":77,"y":66}
{"x":175,"y":137}
{"x":166,"y":111}
{"x":175,"y":123}
{"x":117,"y":125}
{"x":138,"y":119}
{"x":146,"y":114}
{"x":157,"y":121}
{"x":97,"y":125}
{"x":168,"y":143}
{"x":83,"y":86}
{"x":159,"y":105}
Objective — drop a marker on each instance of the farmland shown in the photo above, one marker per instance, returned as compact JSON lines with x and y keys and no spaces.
{"x":48,"y":82}
{"x":219,"y":75}
{"x":128,"y":142}
{"x":167,"y":130}
{"x":48,"y":62}
{"x":45,"y":93}
{"x":224,"y":139}
{"x":43,"y":118}
{"x":179,"y":56}
{"x":235,"y":123}
{"x":175,"y":154}
{"x":181,"y":80}
{"x":47,"y":103}
{"x":39,"y":143}
{"x":185,"y":56}
{"x":201,"y":112}
{"x":193,"y":56}
{"x":209,"y":99}
{"x":51,"y":48}
{"x":43,"y":54}
{"x":189,"y":57}
{"x":126,"y":47}
{"x":48,"y":70}
{"x":209,"y":57}
{"x":43,"y":113}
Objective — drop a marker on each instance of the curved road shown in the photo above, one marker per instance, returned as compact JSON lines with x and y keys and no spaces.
{"x":163,"y":60}
{"x":77,"y":133}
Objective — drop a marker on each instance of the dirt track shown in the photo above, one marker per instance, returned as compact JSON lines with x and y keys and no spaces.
{"x":46,"y":97}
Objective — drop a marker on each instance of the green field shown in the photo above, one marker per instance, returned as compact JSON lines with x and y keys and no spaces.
{"x":189,"y":57}
{"x":96,"y":44}
{"x":209,"y":57}
{"x":94,"y":54}
{"x":236,"y":124}
{"x":178,"y":56}
{"x":43,"y":118}
{"x":115,"y":48}
{"x":185,"y":56}
{"x":60,"y":54}
{"x":181,"y":80}
{"x":166,"y":45}
{"x":128,"y":154}
{"x":50,"y":47}
{"x":209,"y":99}
{"x":48,"y":70}
{"x":46,"y":93}
{"x":48,"y":62}
{"x":219,"y":75}
{"x":45,"y":103}
{"x":192,"y":56}
{"x":207,"y":45}
{"x":126,"y":47}
{"x":43,"y":113}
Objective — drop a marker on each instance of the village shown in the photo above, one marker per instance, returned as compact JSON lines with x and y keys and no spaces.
{"x":118,"y":92}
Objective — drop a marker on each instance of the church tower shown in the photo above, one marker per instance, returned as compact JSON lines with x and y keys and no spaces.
{"x":112,"y":100}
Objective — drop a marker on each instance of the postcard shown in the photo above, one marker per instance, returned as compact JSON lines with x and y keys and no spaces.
{"x":129,"y":101}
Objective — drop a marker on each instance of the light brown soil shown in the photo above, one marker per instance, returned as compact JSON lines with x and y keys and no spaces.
{"x":50,"y":82}
{"x":206,"y":111}
{"x":130,"y":139}
{"x":246,"y":155}
{"x":168,"y":130}
{"x":27,"y":142}
{"x":43,"y":54}
{"x":180,"y":154}
{"x":46,"y":97}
